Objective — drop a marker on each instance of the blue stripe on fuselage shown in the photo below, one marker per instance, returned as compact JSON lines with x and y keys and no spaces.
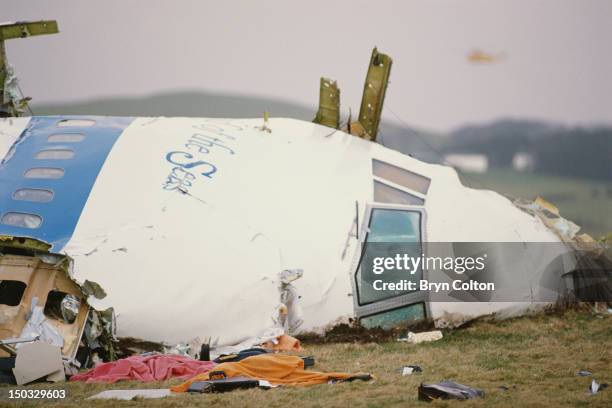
{"x":61,"y":214}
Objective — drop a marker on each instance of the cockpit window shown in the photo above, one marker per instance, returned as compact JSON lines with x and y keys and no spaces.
{"x":389,"y":225}
{"x":392,"y":232}
{"x":384,"y":193}
{"x":400,"y":176}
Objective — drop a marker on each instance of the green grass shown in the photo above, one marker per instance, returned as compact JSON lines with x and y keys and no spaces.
{"x":588,"y":203}
{"x":535,"y":357}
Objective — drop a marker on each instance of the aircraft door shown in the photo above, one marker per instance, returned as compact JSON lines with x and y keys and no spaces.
{"x":383,"y":294}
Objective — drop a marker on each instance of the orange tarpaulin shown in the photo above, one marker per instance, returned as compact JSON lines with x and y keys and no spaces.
{"x":275,"y":368}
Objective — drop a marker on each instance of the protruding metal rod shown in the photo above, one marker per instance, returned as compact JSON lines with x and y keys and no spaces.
{"x":3,"y":65}
{"x":10,"y":31}
{"x":329,"y":104}
{"x":374,"y":91}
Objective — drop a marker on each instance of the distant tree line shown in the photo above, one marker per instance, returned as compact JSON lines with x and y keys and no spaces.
{"x":570,"y":152}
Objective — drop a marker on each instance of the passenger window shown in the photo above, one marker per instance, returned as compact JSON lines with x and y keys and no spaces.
{"x":66,"y":138}
{"x":11,"y":292}
{"x":62,"y":306}
{"x":44,"y":173}
{"x":55,"y":154}
{"x":33,"y":194}
{"x":391,"y":232}
{"x":22,"y":220}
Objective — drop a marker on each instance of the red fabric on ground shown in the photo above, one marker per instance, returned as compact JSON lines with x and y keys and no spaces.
{"x":156,"y":367}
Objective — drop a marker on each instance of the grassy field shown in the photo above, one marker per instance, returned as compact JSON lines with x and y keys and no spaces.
{"x":586,"y":202}
{"x":535,"y":357}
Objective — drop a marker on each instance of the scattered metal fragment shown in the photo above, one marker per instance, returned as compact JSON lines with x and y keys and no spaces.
{"x":182,"y":349}
{"x":329,"y":104}
{"x":416,"y":338}
{"x":448,"y":390}
{"x":70,"y":306}
{"x":595,"y":387}
{"x":132,"y":394}
{"x":411,"y":369}
{"x":93,"y":289}
{"x":37,"y":326}
{"x":99,"y":336}
{"x":373,"y":97}
{"x":37,"y":360}
{"x":11,"y":101}
{"x":222,"y":384}
{"x":289,"y":311}
{"x":265,"y":127}
{"x":549,"y":215}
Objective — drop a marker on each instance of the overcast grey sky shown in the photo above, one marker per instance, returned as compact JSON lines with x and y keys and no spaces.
{"x":557,"y":62}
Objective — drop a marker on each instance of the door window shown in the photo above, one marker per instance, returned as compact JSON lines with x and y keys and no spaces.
{"x":390,"y":319}
{"x":392,"y":233}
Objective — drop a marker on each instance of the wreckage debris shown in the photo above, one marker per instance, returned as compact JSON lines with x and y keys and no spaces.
{"x":595,"y":387}
{"x":204,"y":352}
{"x":225,"y":384}
{"x":182,"y":349}
{"x":411,"y":369}
{"x":38,"y":360}
{"x":133,"y":394}
{"x":289,"y":311}
{"x":52,"y":311}
{"x":416,"y":338}
{"x":128,"y":346}
{"x":448,"y":390}
{"x":309,"y":361}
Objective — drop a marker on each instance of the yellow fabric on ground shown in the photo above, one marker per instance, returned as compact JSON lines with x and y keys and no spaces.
{"x":277,"y":369}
